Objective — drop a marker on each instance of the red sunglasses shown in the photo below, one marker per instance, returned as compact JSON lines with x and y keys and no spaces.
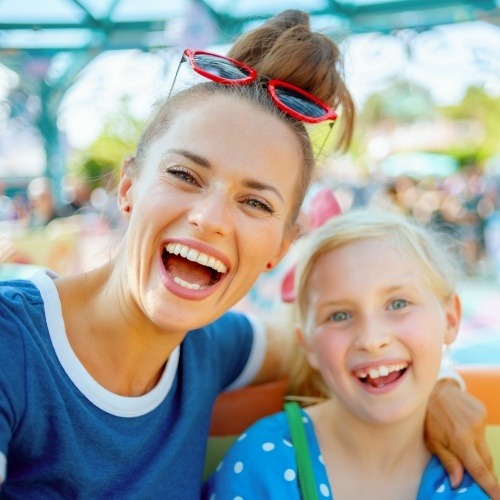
{"x":291,"y":99}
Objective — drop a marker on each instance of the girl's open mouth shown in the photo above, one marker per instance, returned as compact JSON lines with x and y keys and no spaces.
{"x":381,"y":375}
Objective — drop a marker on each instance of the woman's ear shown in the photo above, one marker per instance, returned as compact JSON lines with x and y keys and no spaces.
{"x":281,"y":252}
{"x":453,"y":311}
{"x":303,"y":341}
{"x":124,"y":188}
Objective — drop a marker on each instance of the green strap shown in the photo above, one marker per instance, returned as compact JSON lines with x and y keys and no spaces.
{"x":299,"y":440}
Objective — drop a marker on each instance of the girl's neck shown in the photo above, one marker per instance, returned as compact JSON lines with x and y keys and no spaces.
{"x":365,"y":460}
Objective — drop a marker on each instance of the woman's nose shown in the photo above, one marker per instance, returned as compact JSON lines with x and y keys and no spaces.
{"x":212,"y":214}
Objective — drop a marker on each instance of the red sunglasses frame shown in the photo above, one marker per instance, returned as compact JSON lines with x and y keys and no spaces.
{"x":272,"y":86}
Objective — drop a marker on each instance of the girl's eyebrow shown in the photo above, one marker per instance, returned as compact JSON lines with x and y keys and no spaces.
{"x":203,"y":162}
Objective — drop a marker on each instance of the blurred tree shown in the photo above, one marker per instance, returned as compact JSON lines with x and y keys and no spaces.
{"x":99,"y":163}
{"x":401,"y":102}
{"x":475,"y":119}
{"x":480,"y":107}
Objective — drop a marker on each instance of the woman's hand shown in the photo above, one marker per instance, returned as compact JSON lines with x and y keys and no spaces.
{"x":455,"y":432}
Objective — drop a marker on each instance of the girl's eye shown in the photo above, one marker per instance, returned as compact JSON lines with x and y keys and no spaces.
{"x":260,"y":205}
{"x":398,"y":304}
{"x":340,"y":316}
{"x":183,"y":174}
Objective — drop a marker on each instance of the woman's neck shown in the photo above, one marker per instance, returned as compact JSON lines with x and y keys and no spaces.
{"x":116,"y":343}
{"x":365,"y":460}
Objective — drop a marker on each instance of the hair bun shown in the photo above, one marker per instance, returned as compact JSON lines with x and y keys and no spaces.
{"x":290,"y":18}
{"x":285,"y":48}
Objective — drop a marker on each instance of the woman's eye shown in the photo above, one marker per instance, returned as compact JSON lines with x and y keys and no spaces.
{"x":398,"y":304}
{"x":340,"y":316}
{"x":183,"y":175}
{"x":260,"y":205}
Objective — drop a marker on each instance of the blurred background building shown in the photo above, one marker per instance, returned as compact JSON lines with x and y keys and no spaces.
{"x":78,"y":79}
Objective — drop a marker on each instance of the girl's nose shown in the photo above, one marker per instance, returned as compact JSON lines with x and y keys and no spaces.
{"x":372,"y":335}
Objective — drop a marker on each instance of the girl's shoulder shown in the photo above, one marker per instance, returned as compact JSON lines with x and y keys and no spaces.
{"x":435,"y":484}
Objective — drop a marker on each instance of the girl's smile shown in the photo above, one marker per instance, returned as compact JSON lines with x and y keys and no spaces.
{"x":375,"y":328}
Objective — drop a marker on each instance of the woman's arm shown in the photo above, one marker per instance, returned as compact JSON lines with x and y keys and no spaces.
{"x":455,"y":432}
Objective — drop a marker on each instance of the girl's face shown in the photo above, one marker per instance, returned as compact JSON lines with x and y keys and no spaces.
{"x":375,"y":330}
{"x":208,"y":210}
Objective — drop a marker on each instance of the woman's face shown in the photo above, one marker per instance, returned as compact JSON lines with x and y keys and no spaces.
{"x":209,"y":210}
{"x":375,"y":330}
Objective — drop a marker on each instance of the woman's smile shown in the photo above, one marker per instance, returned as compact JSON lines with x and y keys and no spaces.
{"x":192,"y":268}
{"x":211,"y":219}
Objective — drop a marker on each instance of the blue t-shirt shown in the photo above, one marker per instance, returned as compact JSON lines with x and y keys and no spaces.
{"x":261,"y":464}
{"x":64,"y":435}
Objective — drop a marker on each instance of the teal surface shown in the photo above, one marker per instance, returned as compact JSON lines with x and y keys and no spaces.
{"x":478,"y":341}
{"x":17,"y":271}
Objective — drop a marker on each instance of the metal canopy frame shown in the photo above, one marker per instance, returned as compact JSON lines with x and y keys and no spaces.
{"x":33,"y":34}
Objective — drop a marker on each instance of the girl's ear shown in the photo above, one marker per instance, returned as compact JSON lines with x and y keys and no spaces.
{"x":303,"y":341}
{"x":453,"y":311}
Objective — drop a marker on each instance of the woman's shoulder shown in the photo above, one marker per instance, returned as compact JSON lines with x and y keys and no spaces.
{"x":22,"y":309}
{"x":17,"y":299}
{"x":18,"y":290}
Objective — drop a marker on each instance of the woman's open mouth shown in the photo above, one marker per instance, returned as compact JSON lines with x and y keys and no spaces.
{"x":190,"y":268}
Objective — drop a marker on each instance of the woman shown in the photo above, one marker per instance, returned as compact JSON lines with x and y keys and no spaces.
{"x":102,"y":391}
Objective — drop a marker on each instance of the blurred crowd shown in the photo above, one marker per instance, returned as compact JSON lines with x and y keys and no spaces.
{"x":465,"y":206}
{"x":66,"y":233}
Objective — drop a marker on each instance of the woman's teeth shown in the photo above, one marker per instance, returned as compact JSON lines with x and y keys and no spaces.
{"x":190,"y":286}
{"x":195,"y":256}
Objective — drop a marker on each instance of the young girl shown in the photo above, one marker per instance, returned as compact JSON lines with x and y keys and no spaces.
{"x":376,"y":303}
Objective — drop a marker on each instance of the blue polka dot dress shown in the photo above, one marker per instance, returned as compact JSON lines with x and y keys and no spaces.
{"x":261,"y":465}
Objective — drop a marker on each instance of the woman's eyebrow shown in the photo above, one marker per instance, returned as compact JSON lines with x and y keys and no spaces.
{"x":261,"y":186}
{"x":199,"y":160}
{"x":203,"y":162}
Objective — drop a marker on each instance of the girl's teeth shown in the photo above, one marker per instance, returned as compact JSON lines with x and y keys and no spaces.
{"x":381,"y":371}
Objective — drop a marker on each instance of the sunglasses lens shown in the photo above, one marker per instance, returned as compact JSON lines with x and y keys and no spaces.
{"x":220,"y":67}
{"x":299,"y":102}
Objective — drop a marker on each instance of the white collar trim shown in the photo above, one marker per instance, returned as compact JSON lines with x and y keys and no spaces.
{"x":120,"y":406}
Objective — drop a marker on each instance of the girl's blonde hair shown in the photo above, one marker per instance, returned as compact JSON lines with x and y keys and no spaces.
{"x":421,"y":246}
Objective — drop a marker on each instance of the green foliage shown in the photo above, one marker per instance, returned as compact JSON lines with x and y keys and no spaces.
{"x":480,"y":107}
{"x":100,"y":162}
{"x":401,"y":101}
{"x":395,"y":105}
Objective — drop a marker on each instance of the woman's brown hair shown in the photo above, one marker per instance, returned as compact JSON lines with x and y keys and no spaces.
{"x":285,"y":48}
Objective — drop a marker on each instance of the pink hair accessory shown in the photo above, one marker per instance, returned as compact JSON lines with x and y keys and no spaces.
{"x":323,"y":207}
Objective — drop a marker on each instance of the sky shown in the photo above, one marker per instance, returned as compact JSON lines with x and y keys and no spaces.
{"x":446,"y":60}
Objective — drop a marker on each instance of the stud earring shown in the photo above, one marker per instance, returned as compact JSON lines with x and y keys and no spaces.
{"x":269,"y":265}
